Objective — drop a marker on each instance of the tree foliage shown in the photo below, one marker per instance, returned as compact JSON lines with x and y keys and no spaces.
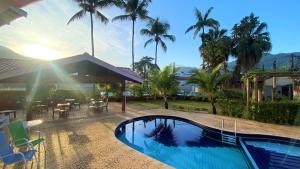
{"x":251,"y":41}
{"x":158,"y":31}
{"x":133,"y":10}
{"x":215,"y":48}
{"x":209,"y":82}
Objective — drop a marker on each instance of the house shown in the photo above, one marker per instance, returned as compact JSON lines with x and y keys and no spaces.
{"x":182,"y":76}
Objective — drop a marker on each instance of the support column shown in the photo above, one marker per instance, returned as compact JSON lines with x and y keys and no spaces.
{"x":255,"y":89}
{"x":292,"y":89}
{"x":28,"y":101}
{"x":274,"y":89}
{"x":247,"y":91}
{"x":123,"y":96}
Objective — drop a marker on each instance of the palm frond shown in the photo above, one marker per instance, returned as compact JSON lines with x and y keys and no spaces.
{"x":121,"y":18}
{"x":170,"y":37}
{"x":103,"y":18}
{"x":147,"y":32}
{"x":207,"y":13}
{"x":163,"y":45}
{"x":77,"y":16}
{"x":190,"y":28}
{"x":148,"y":42}
{"x":198,"y":14}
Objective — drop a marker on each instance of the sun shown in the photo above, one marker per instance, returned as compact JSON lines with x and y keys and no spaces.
{"x":40,"y":52}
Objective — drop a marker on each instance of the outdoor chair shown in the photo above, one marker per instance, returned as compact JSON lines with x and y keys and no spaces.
{"x":8,"y":156}
{"x":21,"y":139}
{"x":105,"y":106}
{"x":77,"y":104}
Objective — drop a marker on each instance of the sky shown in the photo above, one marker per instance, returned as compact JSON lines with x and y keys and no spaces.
{"x":44,"y":33}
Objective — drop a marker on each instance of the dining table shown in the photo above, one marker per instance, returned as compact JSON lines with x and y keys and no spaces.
{"x":8,"y":112}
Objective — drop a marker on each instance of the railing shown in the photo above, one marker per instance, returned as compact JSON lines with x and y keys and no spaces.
{"x":227,"y":138}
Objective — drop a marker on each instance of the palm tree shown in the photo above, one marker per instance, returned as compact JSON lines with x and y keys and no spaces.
{"x":144,"y":66}
{"x":158,"y":31}
{"x":91,"y":7}
{"x":216,"y":47}
{"x":202,"y":22}
{"x":209,"y":83}
{"x":250,"y":41}
{"x":165,"y":83}
{"x":134,"y":9}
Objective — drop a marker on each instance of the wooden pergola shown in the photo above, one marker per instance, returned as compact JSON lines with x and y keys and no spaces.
{"x":255,"y":81}
{"x":76,"y":69}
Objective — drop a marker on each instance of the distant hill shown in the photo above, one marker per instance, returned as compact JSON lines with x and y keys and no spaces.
{"x":10,"y":54}
{"x":283,"y":60}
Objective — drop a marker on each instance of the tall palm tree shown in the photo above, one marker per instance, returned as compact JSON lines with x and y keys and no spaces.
{"x":202,"y":22}
{"x":92,"y":8}
{"x":251,"y":41}
{"x":216,"y":47}
{"x":158,"y":31}
{"x":209,"y":83}
{"x":134,"y":9}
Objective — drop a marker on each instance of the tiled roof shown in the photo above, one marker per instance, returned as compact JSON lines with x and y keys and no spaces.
{"x":10,"y":68}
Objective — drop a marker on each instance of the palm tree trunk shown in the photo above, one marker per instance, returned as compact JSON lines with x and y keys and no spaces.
{"x":166,"y":102}
{"x":156,"y":53}
{"x":214,"y":110}
{"x":133,"y":26}
{"x":92,"y":34}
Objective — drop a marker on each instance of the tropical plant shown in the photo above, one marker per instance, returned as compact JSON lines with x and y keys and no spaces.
{"x":202,"y":22}
{"x":216,"y":48}
{"x":144,"y":66}
{"x":209,"y":83}
{"x":134,"y":9}
{"x":137,"y":89}
{"x":164,"y":82}
{"x":92,"y":7}
{"x":158,"y":30}
{"x":250,"y":41}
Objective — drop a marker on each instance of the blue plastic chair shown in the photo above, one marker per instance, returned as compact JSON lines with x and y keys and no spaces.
{"x":8,"y":156}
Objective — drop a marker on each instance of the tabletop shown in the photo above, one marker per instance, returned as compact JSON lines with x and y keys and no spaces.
{"x":8,"y":111}
{"x":63,"y":104}
{"x":32,"y":123}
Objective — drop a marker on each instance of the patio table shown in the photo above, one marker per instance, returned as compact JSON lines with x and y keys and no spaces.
{"x":69,"y":100}
{"x":32,"y":123}
{"x":63,"y":105}
{"x":8,"y":112}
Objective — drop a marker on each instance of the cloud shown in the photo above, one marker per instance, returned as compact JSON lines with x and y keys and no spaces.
{"x":46,"y":25}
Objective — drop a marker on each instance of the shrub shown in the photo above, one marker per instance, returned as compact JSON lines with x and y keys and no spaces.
{"x":234,"y":108}
{"x":283,"y":112}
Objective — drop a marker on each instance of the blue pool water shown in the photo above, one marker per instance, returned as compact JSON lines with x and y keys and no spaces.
{"x":180,"y":144}
{"x":272,"y":154}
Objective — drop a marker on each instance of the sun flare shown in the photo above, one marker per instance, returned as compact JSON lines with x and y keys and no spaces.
{"x":40,"y":52}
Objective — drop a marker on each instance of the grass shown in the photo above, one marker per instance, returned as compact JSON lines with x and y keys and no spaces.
{"x":184,"y":105}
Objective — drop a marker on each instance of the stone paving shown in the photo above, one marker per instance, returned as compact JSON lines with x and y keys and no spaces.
{"x":86,"y":140}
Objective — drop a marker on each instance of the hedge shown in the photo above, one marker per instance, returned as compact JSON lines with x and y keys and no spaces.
{"x":285,"y":112}
{"x":281,"y":112}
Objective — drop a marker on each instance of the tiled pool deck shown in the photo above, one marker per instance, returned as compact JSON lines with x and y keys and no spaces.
{"x":87,"y":140}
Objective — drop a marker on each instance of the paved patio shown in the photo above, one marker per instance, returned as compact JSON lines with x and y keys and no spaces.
{"x":86,"y":140}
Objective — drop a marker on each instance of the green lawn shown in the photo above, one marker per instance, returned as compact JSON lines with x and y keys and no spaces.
{"x":190,"y":106}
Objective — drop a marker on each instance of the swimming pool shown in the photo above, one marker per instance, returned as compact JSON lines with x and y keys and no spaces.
{"x":182,"y":143}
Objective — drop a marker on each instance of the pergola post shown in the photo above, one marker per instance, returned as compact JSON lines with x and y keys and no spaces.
{"x":123,"y":96}
{"x":255,"y":89}
{"x":247,"y":90}
{"x":28,"y":101}
{"x":292,"y":89}
{"x":274,"y":89}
